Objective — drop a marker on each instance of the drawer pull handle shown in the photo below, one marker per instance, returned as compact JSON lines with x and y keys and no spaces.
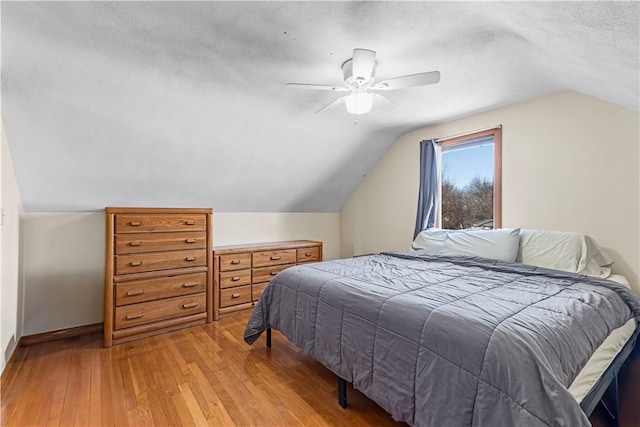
{"x":190,"y":305}
{"x":190,"y":222}
{"x":135,"y":293}
{"x":135,"y":263}
{"x":235,"y":295}
{"x":135,"y":223}
{"x":235,"y":278}
{"x":190,"y":285}
{"x":273,"y":273}
{"x":190,"y":258}
{"x":275,"y":258}
{"x":235,"y":261}
{"x":135,"y":316}
{"x":138,"y":243}
{"x":190,"y":241}
{"x":307,"y":254}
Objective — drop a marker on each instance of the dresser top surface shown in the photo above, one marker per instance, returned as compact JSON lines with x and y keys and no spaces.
{"x":265,"y":246}
{"x":138,"y":211}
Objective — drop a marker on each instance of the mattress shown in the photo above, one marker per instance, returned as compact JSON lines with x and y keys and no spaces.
{"x":603,"y":356}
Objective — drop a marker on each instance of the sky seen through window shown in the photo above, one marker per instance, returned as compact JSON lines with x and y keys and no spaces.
{"x":460,"y":166}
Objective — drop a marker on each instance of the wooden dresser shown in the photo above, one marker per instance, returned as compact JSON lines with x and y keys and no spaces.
{"x":241,"y":272}
{"x":158,"y":274}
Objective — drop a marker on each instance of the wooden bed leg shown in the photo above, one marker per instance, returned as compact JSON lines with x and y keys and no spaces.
{"x":268,"y":337}
{"x":610,"y":401}
{"x":342,"y":393}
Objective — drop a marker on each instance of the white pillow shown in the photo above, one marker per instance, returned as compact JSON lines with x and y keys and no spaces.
{"x":620,"y":279}
{"x":430,"y":241}
{"x":501,"y":244}
{"x":566,"y":251}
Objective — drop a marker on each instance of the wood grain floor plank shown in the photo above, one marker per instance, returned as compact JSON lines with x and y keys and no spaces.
{"x":191,"y":406}
{"x":129,"y":389}
{"x":95,"y":387}
{"x":141,"y":413}
{"x":20,"y":376}
{"x":162,"y":413}
{"x":116,"y":387}
{"x":205,"y":375}
{"x":240,"y":398}
{"x":106,"y":360}
{"x":185,"y":417}
{"x":36,"y":411}
{"x":75,"y":409}
{"x":294,"y":404}
{"x":56,"y":383}
{"x":19,"y":367}
{"x":208,"y":400}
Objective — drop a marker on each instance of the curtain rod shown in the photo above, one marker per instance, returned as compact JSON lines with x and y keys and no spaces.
{"x":469,"y":133}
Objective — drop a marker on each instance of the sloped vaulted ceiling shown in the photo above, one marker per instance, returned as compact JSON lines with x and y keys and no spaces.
{"x":184,"y":104}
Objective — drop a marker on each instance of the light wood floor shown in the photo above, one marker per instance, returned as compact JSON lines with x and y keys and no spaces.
{"x":205,"y":375}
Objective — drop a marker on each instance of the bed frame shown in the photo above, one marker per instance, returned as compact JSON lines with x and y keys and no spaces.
{"x":605,"y":390}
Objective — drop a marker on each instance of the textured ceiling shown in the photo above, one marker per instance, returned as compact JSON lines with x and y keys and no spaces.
{"x":184,"y":104}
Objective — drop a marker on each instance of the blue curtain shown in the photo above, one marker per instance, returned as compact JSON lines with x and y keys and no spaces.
{"x":428,"y":197}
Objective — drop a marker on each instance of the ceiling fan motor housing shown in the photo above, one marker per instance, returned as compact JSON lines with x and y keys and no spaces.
{"x":354,"y":82}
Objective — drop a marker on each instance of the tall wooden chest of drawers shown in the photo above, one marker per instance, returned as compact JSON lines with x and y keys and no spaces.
{"x":158,"y":274}
{"x":241,"y":272}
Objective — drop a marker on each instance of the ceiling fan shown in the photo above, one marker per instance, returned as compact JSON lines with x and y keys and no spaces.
{"x":359,"y":81}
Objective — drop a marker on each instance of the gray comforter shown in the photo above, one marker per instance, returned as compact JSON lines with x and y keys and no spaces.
{"x":449,"y":341}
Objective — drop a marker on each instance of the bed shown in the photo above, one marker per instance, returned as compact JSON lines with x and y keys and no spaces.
{"x":441,"y":336}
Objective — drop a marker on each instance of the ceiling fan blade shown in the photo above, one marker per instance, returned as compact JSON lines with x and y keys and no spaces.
{"x":412,"y":80}
{"x":363,"y":62}
{"x":316,"y":87}
{"x":383,"y":98}
{"x":332,"y":104}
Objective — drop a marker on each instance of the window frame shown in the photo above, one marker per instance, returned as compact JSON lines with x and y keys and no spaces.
{"x":496,"y":133}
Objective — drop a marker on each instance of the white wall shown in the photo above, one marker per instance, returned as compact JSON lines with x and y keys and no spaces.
{"x":64,"y":258}
{"x":570,"y":162}
{"x":10,"y":288}
{"x":63,"y":270}
{"x":249,"y":227}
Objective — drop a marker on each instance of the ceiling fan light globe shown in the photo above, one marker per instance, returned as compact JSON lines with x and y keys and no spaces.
{"x":359,"y":103}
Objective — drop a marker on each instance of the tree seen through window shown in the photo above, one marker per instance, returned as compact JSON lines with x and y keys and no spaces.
{"x":468,"y":185}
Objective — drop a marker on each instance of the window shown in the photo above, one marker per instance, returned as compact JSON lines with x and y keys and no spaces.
{"x":471,"y":181}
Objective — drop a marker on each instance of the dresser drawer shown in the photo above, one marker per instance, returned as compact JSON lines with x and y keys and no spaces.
{"x":139,"y":263}
{"x":258,"y":290}
{"x":165,"y":287}
{"x":264,"y":259}
{"x":153,"y":242}
{"x":309,"y":254}
{"x":132,"y":223}
{"x":235,"y":262}
{"x":235,"y":296}
{"x":235,"y":278}
{"x":265,"y":274}
{"x":148,"y":312}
